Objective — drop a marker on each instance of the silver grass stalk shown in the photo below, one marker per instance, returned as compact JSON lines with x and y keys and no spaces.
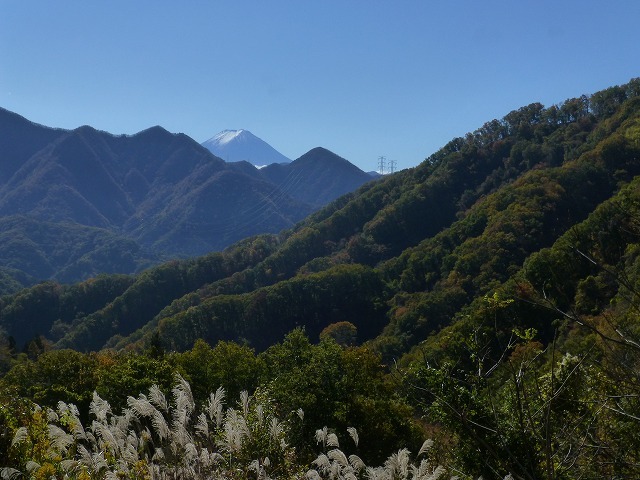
{"x":190,"y":452}
{"x":140,"y":407}
{"x":32,"y":466}
{"x":8,"y":473}
{"x":110,"y":475}
{"x":60,"y":440}
{"x":398,"y":463}
{"x":69,"y":465}
{"x":202,"y":425}
{"x":322,"y":462}
{"x":91,"y":438}
{"x":119,"y":428}
{"x":123,"y":422}
{"x":339,"y":457}
{"x":74,"y":410}
{"x":20,"y":436}
{"x":404,"y":462}
{"x":254,"y":466}
{"x":215,"y":406}
{"x":123,"y":469}
{"x":98,"y":462}
{"x":422,"y":471}
{"x":244,"y":402}
{"x":377,"y":473}
{"x":158,"y":455}
{"x":130,"y":454}
{"x":205,"y":458}
{"x":353,"y":433}
{"x":104,"y":436}
{"x":313,"y":475}
{"x":99,"y":408}
{"x":262,"y":475}
{"x":321,"y":436}
{"x":356,"y":462}
{"x":179,"y":432}
{"x":425,"y":472}
{"x":160,"y":425}
{"x":155,"y":472}
{"x":62,"y":407}
{"x":332,"y":440}
{"x":52,"y":416}
{"x":216,"y":458}
{"x":158,"y":399}
{"x":179,"y":418}
{"x":183,"y":391}
{"x":300,"y":413}
{"x":437,"y":473}
{"x":335,"y":470}
{"x":77,"y":430}
{"x":234,"y":431}
{"x":426,"y":446}
{"x":275,"y":429}
{"x":219,"y":416}
{"x":183,"y":406}
{"x":85,"y":456}
{"x":133,"y":440}
{"x":144,"y":438}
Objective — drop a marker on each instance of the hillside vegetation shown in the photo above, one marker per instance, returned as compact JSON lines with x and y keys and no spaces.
{"x":487,"y":297}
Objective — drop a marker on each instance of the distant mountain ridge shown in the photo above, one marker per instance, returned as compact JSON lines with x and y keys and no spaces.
{"x":83,"y":202}
{"x":332,"y":176}
{"x":242,"y":145}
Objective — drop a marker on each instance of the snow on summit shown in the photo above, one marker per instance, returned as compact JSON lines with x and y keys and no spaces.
{"x":238,"y":145}
{"x":225,"y":136}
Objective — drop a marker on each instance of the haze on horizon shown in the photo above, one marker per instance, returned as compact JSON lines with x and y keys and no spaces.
{"x":362,"y":79}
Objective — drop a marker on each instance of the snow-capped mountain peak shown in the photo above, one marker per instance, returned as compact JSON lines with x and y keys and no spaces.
{"x":238,"y":145}
{"x":226,"y":136}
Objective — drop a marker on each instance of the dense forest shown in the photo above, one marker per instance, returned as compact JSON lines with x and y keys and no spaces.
{"x":485,"y":301}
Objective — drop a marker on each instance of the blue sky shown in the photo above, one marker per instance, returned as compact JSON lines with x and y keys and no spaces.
{"x":361,"y":78}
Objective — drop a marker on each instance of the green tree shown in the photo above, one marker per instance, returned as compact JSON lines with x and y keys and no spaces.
{"x":56,"y":375}
{"x":343,"y":333}
{"x":229,"y":365}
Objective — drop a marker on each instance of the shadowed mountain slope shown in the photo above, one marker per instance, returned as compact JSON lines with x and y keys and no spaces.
{"x":317,"y":177}
{"x":150,"y":196}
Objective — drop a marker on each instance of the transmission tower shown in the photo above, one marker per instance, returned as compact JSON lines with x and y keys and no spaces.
{"x":392,"y":166}
{"x":382,"y":165}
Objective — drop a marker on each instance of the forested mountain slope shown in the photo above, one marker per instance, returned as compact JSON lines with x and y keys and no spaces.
{"x":398,"y":258}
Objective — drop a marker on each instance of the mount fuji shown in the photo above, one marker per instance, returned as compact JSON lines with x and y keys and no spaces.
{"x":239,"y":145}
